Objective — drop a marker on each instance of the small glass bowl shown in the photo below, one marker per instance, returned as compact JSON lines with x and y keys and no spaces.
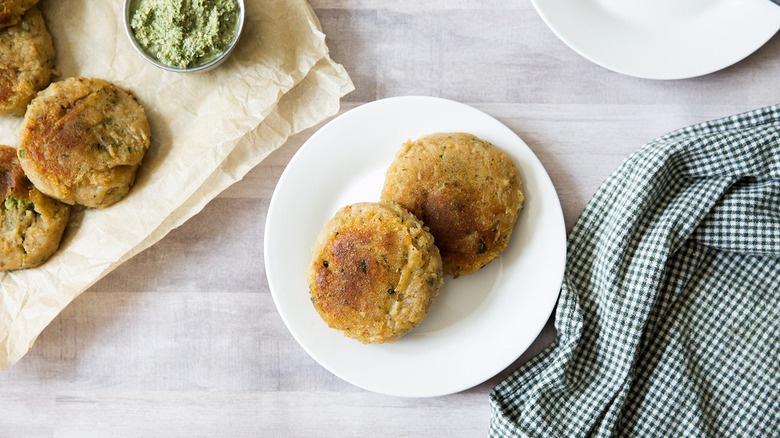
{"x":127,"y":18}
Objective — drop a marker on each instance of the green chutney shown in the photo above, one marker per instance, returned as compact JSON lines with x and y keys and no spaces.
{"x":185,"y":33}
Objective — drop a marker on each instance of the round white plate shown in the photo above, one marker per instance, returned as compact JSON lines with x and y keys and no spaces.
{"x":662,"y":39}
{"x":479,"y":323}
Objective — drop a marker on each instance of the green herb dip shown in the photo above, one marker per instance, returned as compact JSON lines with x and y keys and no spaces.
{"x":185,"y":33}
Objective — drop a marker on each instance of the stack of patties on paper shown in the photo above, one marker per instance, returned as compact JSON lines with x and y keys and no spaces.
{"x":32,"y":223}
{"x":448,"y":206}
{"x":81,"y":140}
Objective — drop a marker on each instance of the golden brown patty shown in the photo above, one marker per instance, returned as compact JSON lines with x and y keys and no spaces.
{"x":374,"y":273}
{"x":26,"y":62}
{"x":82,"y":141}
{"x":31,"y":223}
{"x":12,"y":10}
{"x":467,"y":191}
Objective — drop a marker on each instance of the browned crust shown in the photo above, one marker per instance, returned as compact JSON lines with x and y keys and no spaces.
{"x":466,"y":190}
{"x":375,"y":273}
{"x":12,"y":10}
{"x":31,"y":223}
{"x":13,"y":182}
{"x":82,"y":140}
{"x":360,"y":272}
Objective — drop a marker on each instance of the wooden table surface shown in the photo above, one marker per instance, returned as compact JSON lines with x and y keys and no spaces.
{"x":184,"y":339}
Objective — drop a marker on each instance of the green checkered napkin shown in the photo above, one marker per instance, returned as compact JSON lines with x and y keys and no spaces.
{"x":669,"y":316}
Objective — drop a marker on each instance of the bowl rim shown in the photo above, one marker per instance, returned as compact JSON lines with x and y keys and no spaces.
{"x":129,"y":4}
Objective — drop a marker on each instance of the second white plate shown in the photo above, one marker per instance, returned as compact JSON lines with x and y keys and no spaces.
{"x":480,"y":323}
{"x":662,"y":39}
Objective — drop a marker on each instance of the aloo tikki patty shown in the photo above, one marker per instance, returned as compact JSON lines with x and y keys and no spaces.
{"x":31,"y":223}
{"x":466,"y":190}
{"x":375,"y":272}
{"x":82,"y":141}
{"x":26,"y":62}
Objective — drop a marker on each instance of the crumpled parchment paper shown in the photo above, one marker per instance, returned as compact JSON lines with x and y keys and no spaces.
{"x":208,"y":130}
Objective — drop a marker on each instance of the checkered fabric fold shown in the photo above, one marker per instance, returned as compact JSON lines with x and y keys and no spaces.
{"x":669,"y":316}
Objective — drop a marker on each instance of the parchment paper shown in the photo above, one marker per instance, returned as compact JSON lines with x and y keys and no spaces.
{"x":208,"y":130}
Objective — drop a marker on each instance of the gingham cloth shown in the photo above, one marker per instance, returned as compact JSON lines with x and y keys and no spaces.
{"x":669,"y":316}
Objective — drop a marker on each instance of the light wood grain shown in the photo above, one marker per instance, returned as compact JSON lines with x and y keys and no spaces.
{"x":184,"y":340}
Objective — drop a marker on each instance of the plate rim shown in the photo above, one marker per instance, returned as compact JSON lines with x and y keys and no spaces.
{"x":557,"y":275}
{"x":675,"y":73}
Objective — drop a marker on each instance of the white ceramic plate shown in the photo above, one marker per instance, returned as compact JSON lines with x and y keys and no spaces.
{"x":662,"y":39}
{"x":479,"y":323}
